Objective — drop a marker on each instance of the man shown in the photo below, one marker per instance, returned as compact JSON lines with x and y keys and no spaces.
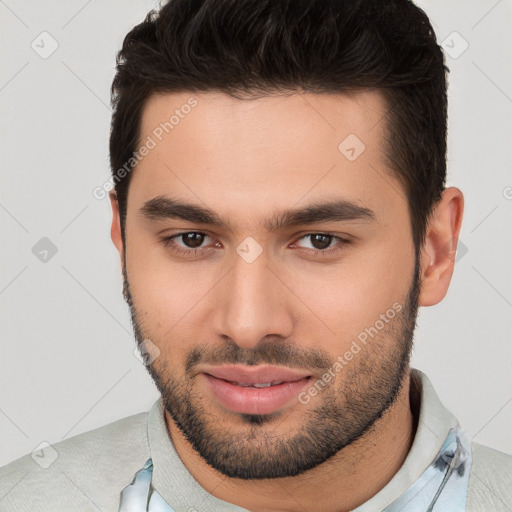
{"x":280,"y":212}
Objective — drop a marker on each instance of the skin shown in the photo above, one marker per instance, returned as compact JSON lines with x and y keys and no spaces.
{"x":245,"y":160}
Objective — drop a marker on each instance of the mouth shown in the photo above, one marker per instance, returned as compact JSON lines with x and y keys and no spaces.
{"x":255,"y":390}
{"x":256,"y":384}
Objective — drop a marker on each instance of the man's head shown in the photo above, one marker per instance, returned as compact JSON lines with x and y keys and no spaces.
{"x":287,"y":212}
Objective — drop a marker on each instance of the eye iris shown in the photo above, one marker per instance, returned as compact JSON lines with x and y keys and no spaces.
{"x":193,"y":240}
{"x":321,"y":241}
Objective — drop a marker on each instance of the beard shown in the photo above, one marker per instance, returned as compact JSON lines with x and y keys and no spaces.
{"x":248,"y":446}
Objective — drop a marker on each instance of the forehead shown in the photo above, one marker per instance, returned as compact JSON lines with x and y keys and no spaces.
{"x":273,"y":150}
{"x":303,"y":114}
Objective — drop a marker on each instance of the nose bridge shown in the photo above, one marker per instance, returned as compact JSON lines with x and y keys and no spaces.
{"x":252,"y":304}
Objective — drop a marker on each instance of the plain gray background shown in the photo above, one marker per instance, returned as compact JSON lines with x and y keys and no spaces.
{"x":67,"y":362}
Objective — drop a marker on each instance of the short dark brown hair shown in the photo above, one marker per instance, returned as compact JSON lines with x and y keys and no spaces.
{"x":250,"y":48}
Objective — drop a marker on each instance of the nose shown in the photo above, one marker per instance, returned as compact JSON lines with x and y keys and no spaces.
{"x":253,"y":303}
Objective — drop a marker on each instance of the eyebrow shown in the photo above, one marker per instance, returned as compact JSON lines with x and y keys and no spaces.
{"x":337,"y":210}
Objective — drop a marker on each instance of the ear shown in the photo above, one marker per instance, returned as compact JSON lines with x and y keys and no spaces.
{"x":437,"y":258}
{"x":115,"y":230}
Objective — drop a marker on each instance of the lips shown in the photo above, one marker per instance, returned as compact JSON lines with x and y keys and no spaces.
{"x":262,"y":375}
{"x":254,"y":390}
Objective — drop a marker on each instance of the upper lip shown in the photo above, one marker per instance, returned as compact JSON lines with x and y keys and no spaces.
{"x":255,"y":374}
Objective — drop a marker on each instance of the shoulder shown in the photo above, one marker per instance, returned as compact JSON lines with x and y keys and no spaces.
{"x":490,"y":480}
{"x":85,"y":472}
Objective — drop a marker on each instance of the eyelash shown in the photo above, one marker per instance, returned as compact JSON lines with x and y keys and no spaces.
{"x":169,"y":243}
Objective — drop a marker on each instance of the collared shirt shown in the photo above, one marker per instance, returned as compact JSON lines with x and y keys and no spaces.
{"x":92,"y":469}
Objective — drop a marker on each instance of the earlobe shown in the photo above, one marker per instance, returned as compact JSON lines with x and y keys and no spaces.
{"x":115,"y":230}
{"x":437,"y":256}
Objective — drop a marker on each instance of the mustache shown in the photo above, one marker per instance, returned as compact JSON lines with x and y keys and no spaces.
{"x":270,"y":351}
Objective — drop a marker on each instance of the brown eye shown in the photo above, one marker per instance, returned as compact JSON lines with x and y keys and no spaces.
{"x":188,"y":243}
{"x":192,"y":240}
{"x":320,"y":241}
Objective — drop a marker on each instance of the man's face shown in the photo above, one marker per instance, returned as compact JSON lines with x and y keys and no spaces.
{"x":334,"y":297}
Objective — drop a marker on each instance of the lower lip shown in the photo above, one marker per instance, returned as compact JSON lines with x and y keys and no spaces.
{"x":250,"y":400}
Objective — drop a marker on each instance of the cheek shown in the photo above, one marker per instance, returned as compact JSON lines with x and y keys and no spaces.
{"x":350,"y":296}
{"x":167,"y":295}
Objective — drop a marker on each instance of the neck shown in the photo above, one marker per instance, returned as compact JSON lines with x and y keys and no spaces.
{"x":348,"y":479}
